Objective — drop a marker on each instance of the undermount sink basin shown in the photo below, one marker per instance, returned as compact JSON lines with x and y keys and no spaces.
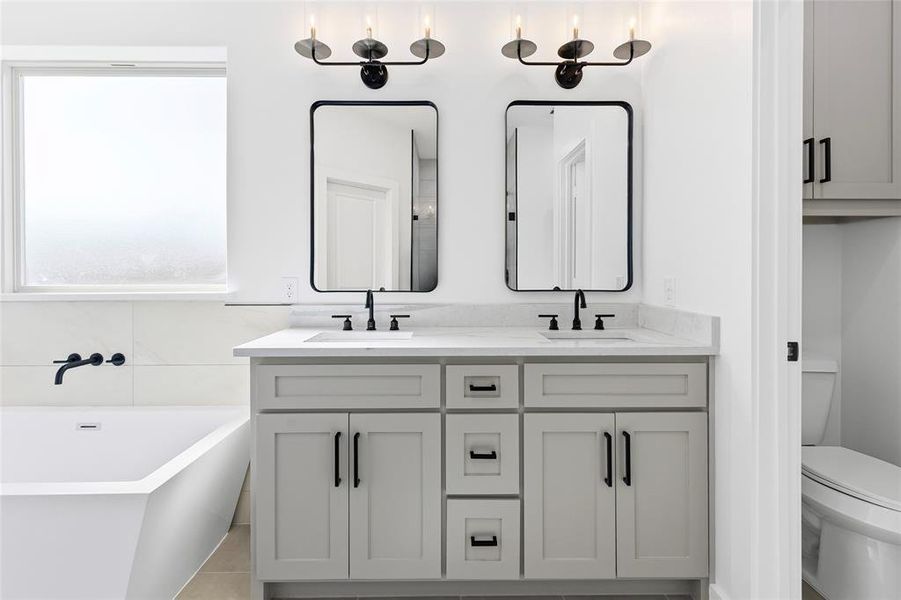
{"x":587,"y":334}
{"x":360,"y":336}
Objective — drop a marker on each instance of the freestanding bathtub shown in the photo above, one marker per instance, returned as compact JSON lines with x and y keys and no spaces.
{"x":115,"y":503}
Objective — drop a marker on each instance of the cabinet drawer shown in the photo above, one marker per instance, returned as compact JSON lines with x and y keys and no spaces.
{"x":482,"y":386}
{"x":616,"y":385}
{"x":482,"y":454}
{"x":347,"y":386}
{"x":483,"y":539}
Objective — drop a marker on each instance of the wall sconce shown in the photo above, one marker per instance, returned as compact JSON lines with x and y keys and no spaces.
{"x":569,"y":71}
{"x":374,"y":70}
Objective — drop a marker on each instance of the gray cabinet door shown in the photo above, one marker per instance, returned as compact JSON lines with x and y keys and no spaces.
{"x":395,"y":507}
{"x":661,"y":495}
{"x":569,"y":518}
{"x":301,"y":514}
{"x":856,"y":104}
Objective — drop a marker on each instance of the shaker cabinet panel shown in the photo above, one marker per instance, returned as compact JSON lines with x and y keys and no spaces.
{"x":395,"y":507}
{"x":661,"y":495}
{"x":855,"y":51}
{"x":301,"y":496}
{"x":569,"y":508}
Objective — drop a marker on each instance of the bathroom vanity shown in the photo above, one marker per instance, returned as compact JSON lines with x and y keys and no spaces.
{"x":474,"y":460}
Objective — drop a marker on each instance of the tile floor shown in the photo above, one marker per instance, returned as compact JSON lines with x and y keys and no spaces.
{"x":226,"y":576}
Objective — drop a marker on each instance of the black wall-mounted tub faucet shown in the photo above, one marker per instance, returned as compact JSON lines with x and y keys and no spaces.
{"x":75,"y":361}
{"x":579,"y":300}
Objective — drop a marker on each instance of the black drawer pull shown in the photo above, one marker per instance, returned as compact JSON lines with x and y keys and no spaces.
{"x":628,"y":477}
{"x":482,"y":543}
{"x":482,"y":455}
{"x":482,"y":388}
{"x":609,"y":478}
{"x":356,"y":460}
{"x":338,"y":459}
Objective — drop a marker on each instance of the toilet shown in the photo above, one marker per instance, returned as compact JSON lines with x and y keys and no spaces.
{"x":851,"y":506}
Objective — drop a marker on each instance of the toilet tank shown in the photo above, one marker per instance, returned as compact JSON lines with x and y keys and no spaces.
{"x":818,"y":383}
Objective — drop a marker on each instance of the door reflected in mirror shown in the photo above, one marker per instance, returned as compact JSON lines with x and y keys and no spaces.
{"x":569,"y":196}
{"x":374,"y":196}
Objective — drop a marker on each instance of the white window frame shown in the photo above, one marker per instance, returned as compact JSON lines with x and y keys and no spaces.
{"x":13,"y":281}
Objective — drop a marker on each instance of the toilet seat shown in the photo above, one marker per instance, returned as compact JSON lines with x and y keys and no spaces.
{"x":863,"y":477}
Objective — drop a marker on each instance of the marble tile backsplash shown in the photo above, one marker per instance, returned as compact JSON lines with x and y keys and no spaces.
{"x":178,"y":353}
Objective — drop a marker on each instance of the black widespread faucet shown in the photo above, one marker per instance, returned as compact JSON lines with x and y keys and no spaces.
{"x":74,"y":361}
{"x":370,"y":304}
{"x":577,"y":322}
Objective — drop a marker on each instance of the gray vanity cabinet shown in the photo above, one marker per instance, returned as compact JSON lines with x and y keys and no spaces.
{"x":615,"y":495}
{"x":301,"y":515}
{"x":395,"y":508}
{"x":348,"y":495}
{"x":569,"y":510}
{"x":661,"y":495}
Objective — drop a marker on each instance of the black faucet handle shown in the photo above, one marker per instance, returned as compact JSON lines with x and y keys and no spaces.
{"x":348,"y":326}
{"x":395,"y":326}
{"x":599,"y":320}
{"x":117,"y":359}
{"x":553,"y":326}
{"x":72,"y":358}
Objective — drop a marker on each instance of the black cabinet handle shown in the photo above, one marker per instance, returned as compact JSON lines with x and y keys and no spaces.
{"x":337,"y":459}
{"x":609,"y":478}
{"x":628,"y":478}
{"x":827,"y":159}
{"x":482,"y":455}
{"x":811,"y":159}
{"x":482,"y":388}
{"x":356,"y":460}
{"x":482,"y":543}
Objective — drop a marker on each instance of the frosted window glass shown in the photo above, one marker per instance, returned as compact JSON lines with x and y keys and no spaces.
{"x":123,"y":180}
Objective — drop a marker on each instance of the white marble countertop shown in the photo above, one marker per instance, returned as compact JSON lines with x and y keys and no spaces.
{"x":470,"y":341}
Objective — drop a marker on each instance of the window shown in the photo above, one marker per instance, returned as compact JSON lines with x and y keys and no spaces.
{"x":119,"y":178}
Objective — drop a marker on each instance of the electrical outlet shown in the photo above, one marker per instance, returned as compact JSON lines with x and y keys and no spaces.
{"x":289,"y":289}
{"x":669,"y":291}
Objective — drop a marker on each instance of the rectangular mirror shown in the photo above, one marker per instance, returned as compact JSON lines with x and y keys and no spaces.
{"x":569,"y":196}
{"x":374,"y":196}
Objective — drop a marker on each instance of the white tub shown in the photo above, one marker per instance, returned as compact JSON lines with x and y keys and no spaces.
{"x":115,"y":503}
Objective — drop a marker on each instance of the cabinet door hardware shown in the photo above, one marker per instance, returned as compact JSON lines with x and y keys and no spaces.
{"x":827,"y":159}
{"x":609,"y":478}
{"x":337,"y":459}
{"x":482,"y":455}
{"x":811,"y":159}
{"x":356,"y":460}
{"x":482,"y":543}
{"x":482,"y":388}
{"x":627,"y":479}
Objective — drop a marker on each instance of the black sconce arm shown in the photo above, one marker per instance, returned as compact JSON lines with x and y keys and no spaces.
{"x":575,"y":62}
{"x":371,"y":61}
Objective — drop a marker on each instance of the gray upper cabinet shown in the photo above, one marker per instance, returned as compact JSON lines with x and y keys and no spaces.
{"x":852,"y":103}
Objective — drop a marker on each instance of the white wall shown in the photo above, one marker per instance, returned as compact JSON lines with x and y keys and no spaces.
{"x":697,"y":227}
{"x":822,"y":309}
{"x":270,"y":89}
{"x":871,"y":338}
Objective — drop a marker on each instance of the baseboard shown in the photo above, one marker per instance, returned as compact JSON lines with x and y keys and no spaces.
{"x":717,"y":593}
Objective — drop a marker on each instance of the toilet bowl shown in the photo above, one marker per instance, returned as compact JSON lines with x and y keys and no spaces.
{"x":851,"y":507}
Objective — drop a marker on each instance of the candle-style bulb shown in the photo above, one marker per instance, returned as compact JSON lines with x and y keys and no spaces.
{"x":575,"y":27}
{"x":368,"y":28}
{"x":428,"y":28}
{"x":519,"y":27}
{"x":632,"y":29}
{"x":312,"y":27}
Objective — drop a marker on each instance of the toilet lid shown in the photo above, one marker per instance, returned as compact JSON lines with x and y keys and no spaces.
{"x":864,"y":477}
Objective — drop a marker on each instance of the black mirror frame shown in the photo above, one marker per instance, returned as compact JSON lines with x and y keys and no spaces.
{"x":630,"y":169}
{"x":321,"y":103}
